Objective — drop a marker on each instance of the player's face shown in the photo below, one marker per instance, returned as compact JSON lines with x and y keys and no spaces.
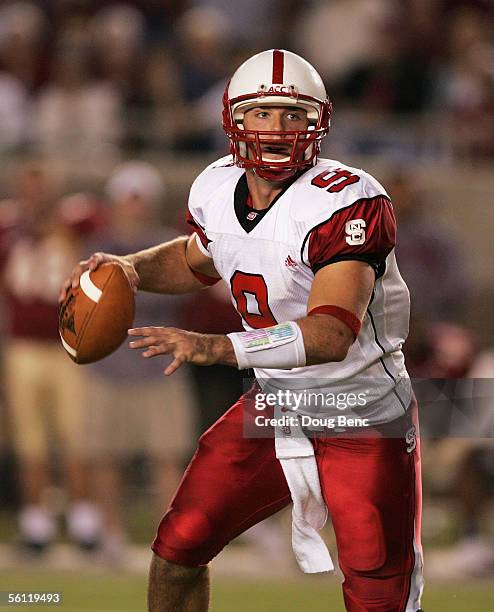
{"x":276,"y":119}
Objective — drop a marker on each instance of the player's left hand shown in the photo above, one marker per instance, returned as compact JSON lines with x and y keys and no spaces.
{"x":184,"y":346}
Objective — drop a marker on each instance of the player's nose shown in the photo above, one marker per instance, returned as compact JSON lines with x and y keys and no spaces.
{"x":277,"y":123}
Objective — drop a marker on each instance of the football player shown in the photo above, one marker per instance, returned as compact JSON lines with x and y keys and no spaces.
{"x":306,"y":246}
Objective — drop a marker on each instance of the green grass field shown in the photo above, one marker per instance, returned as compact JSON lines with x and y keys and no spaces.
{"x":123,"y":592}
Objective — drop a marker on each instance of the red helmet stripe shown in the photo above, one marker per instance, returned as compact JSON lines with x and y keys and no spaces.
{"x":278,"y":66}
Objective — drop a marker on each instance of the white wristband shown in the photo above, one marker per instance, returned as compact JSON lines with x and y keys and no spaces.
{"x":281,"y":347}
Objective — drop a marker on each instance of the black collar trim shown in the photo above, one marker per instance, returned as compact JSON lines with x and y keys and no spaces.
{"x":242,"y":209}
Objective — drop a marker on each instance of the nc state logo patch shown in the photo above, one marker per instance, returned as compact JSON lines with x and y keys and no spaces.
{"x":355,"y":231}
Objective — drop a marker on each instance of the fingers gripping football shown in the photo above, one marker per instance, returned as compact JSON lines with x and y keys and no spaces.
{"x":94,"y":262}
{"x":184,"y":346}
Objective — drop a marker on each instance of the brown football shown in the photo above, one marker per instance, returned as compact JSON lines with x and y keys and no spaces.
{"x":95,"y":316}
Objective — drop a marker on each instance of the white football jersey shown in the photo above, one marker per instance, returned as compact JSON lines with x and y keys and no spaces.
{"x":329,"y":213}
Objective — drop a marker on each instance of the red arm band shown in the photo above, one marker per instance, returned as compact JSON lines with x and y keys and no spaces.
{"x":344,"y":315}
{"x":204,"y":278}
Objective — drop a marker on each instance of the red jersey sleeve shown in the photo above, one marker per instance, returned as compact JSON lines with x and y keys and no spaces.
{"x":198,"y":230}
{"x":364,"y":231}
{"x":204,"y":278}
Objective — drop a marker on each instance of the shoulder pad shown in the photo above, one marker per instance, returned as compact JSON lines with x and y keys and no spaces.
{"x":215,"y":177}
{"x":330,"y":186}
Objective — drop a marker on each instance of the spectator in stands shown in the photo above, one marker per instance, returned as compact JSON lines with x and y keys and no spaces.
{"x":44,"y":390}
{"x":473,"y":489}
{"x":465,"y":82}
{"x":395,"y":77}
{"x":14,"y":108}
{"x":118,"y":43}
{"x":203,"y":34}
{"x":118,"y":39}
{"x":24,"y":42}
{"x":76,"y":116}
{"x":458,"y":445}
{"x":257,"y":24}
{"x":133,"y":409}
{"x":204,"y":42}
{"x":163,"y":99}
{"x":427,"y":251}
{"x":338,"y":36}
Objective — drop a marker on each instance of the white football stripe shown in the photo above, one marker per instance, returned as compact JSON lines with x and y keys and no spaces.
{"x":417,"y":580}
{"x":89,"y":287}
{"x":68,"y":348}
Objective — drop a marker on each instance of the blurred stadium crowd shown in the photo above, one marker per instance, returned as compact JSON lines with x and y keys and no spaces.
{"x":107,"y":109}
{"x":90,"y":79}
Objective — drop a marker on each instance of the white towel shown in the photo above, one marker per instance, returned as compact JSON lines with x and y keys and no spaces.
{"x":309,"y":514}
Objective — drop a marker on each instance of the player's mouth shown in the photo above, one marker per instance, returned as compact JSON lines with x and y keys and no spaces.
{"x":276,"y":152}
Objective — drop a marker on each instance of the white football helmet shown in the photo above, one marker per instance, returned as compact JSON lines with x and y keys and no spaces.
{"x":276,"y":78}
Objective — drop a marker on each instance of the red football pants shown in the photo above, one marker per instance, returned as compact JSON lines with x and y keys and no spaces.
{"x":371,"y":486}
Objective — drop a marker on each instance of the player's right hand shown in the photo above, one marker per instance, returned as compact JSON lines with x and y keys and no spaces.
{"x":92,"y":263}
